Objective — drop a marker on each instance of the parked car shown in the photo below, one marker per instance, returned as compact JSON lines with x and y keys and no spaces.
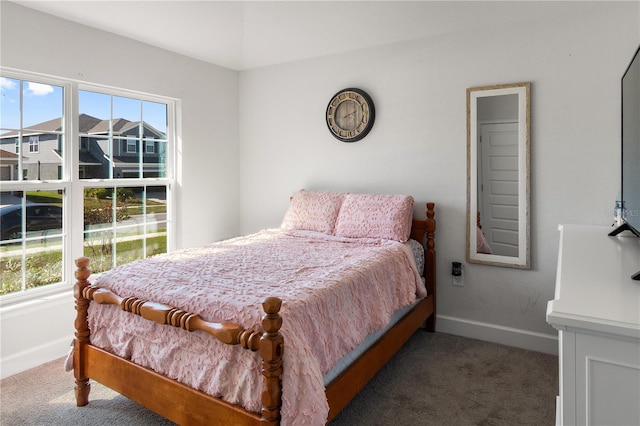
{"x":40,"y":217}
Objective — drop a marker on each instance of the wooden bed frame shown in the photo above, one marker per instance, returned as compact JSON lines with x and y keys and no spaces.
{"x":185,"y":405}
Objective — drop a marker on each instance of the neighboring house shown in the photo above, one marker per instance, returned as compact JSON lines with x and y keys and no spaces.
{"x":8,"y":165}
{"x":119,"y":148}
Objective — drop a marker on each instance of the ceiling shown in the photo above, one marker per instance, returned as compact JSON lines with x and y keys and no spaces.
{"x":243,"y":35}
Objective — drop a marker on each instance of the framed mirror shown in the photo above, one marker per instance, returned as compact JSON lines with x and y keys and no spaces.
{"x":498,"y":150}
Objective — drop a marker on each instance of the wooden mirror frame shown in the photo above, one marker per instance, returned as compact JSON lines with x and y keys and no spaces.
{"x":522,"y":260}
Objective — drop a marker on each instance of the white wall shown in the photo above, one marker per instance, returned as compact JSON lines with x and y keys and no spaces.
{"x":418,"y":145}
{"x":207,"y":181}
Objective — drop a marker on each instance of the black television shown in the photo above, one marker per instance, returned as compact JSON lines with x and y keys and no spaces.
{"x":630,"y":182}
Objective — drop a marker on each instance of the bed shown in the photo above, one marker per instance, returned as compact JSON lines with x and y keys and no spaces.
{"x":285,"y":342}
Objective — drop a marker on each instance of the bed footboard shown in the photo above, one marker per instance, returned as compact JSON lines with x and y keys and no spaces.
{"x":269,"y":343}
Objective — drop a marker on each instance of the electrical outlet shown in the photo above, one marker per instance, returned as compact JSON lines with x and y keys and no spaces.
{"x":459,"y":281}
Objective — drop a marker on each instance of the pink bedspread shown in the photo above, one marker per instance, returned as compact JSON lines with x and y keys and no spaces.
{"x":334,"y":291}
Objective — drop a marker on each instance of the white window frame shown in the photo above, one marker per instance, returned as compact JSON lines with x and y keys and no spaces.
{"x":73,"y":186}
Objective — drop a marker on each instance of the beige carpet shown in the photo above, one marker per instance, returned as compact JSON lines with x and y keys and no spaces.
{"x":435,"y":379}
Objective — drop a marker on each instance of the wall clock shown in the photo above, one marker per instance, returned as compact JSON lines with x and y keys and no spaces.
{"x":350,"y":115}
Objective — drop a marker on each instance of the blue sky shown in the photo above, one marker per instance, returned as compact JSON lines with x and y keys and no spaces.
{"x":44,"y":102}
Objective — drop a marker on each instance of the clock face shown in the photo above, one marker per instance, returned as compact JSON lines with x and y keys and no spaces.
{"x":350,"y":115}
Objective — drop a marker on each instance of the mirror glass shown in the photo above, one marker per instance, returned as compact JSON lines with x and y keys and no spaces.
{"x":498,"y":127}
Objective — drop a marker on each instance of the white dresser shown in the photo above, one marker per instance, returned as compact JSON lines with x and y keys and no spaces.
{"x":596,"y":310}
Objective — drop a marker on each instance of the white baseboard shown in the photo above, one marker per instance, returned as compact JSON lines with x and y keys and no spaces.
{"x":539,"y":342}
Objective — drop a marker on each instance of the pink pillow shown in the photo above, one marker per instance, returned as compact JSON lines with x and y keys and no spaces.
{"x":375,"y":216}
{"x":313,"y":211}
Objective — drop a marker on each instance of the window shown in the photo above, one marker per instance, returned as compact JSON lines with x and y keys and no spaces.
{"x":124,"y":213}
{"x":34,"y":144}
{"x":131,"y":145}
{"x":150,"y":147}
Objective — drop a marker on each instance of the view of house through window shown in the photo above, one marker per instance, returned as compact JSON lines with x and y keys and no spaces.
{"x":120,"y":172}
{"x":114,"y":130}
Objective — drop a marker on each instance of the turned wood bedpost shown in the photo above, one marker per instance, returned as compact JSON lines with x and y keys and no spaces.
{"x":430,"y":262}
{"x":271,"y":351}
{"x":82,"y":387}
